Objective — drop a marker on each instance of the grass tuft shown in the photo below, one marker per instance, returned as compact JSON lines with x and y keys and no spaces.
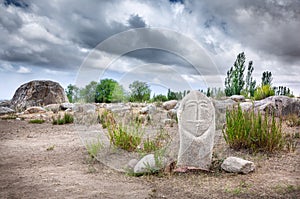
{"x":250,"y":130}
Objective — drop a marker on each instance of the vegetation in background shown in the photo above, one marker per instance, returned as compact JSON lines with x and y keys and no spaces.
{"x":109,"y":90}
{"x":37,"y":121}
{"x":250,"y":83}
{"x":140,"y":91}
{"x":283,"y":90}
{"x":234,"y":82}
{"x":263,"y":92}
{"x":253,"y":131}
{"x":266,"y":78}
{"x":66,"y":119}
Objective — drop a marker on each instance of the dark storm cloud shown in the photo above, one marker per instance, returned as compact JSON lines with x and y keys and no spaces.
{"x":268,"y":27}
{"x":135,"y":21}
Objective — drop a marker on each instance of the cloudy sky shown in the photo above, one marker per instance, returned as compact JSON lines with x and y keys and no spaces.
{"x":169,"y":44}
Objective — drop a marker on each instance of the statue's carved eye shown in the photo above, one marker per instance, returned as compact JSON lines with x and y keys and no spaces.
{"x":190,"y":112}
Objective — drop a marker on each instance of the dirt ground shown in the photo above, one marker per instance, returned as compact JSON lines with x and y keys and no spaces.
{"x":49,"y":161}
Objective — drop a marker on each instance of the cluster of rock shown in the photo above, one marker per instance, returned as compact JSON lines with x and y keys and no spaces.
{"x":198,"y":119}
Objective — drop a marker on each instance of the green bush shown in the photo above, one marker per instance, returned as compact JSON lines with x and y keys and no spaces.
{"x":125,"y":137}
{"x":263,"y":92}
{"x":67,"y":118}
{"x":37,"y":121}
{"x":250,"y":130}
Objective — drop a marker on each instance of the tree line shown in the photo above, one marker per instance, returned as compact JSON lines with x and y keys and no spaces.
{"x":236,"y":83}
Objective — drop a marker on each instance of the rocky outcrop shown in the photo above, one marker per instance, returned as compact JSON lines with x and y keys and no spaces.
{"x":38,"y":93}
{"x":6,"y":110}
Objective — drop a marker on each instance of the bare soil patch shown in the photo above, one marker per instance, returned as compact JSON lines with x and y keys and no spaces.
{"x":49,"y":161}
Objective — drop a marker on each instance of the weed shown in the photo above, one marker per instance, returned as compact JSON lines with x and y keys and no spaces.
{"x":248,"y":130}
{"x":125,"y":137}
{"x":50,"y":148}
{"x":67,"y":118}
{"x":37,"y":121}
{"x":9,"y":117}
{"x":94,"y":147}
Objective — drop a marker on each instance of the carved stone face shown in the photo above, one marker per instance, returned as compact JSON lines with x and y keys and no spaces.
{"x":196,"y":116}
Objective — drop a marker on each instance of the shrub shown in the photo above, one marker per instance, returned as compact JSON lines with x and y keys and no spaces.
{"x":37,"y":121}
{"x":94,"y":147}
{"x":263,"y":92}
{"x":67,"y":118}
{"x":106,"y":119}
{"x":125,"y":137}
{"x":248,"y":130}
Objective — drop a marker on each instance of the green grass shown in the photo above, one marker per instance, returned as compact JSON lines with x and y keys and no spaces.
{"x":125,"y":137}
{"x":37,"y":121}
{"x":66,"y":119}
{"x":93,"y":148}
{"x":253,"y":131}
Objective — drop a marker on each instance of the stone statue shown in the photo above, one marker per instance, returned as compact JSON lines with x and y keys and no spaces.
{"x":196,"y":120}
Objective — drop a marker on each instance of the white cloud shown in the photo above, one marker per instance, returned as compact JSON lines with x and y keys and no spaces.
{"x":23,"y":70}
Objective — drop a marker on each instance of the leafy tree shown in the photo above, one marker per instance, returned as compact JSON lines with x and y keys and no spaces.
{"x":140,"y":91}
{"x":234,"y":82}
{"x":266,"y":78}
{"x":171,"y":95}
{"x":108,"y":90}
{"x":283,"y":90}
{"x":72,"y":93}
{"x":88,"y":93}
{"x":159,"y":98}
{"x":250,"y":83}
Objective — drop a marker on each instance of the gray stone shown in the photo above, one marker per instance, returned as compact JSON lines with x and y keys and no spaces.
{"x":169,"y":104}
{"x":52,"y":107}
{"x":237,"y":165}
{"x":84,"y":108}
{"x":246,"y":106}
{"x":238,"y":98}
{"x":120,"y":107}
{"x":38,"y":93}
{"x":131,"y":164}
{"x":172,"y":114}
{"x":65,"y":106}
{"x":35,"y":109}
{"x":5,"y":103}
{"x":150,"y":109}
{"x":85,"y":114}
{"x":148,"y":164}
{"x":6,"y":110}
{"x":196,"y":120}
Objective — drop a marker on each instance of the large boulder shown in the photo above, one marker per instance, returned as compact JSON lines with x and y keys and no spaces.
{"x":38,"y":93}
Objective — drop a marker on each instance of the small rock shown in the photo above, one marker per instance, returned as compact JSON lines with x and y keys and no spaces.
{"x":237,"y":165}
{"x":35,"y":109}
{"x":238,"y":98}
{"x":150,"y":109}
{"x":65,"y":106}
{"x":52,"y":107}
{"x":131,"y":164}
{"x":169,"y":104}
{"x":148,"y":164}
